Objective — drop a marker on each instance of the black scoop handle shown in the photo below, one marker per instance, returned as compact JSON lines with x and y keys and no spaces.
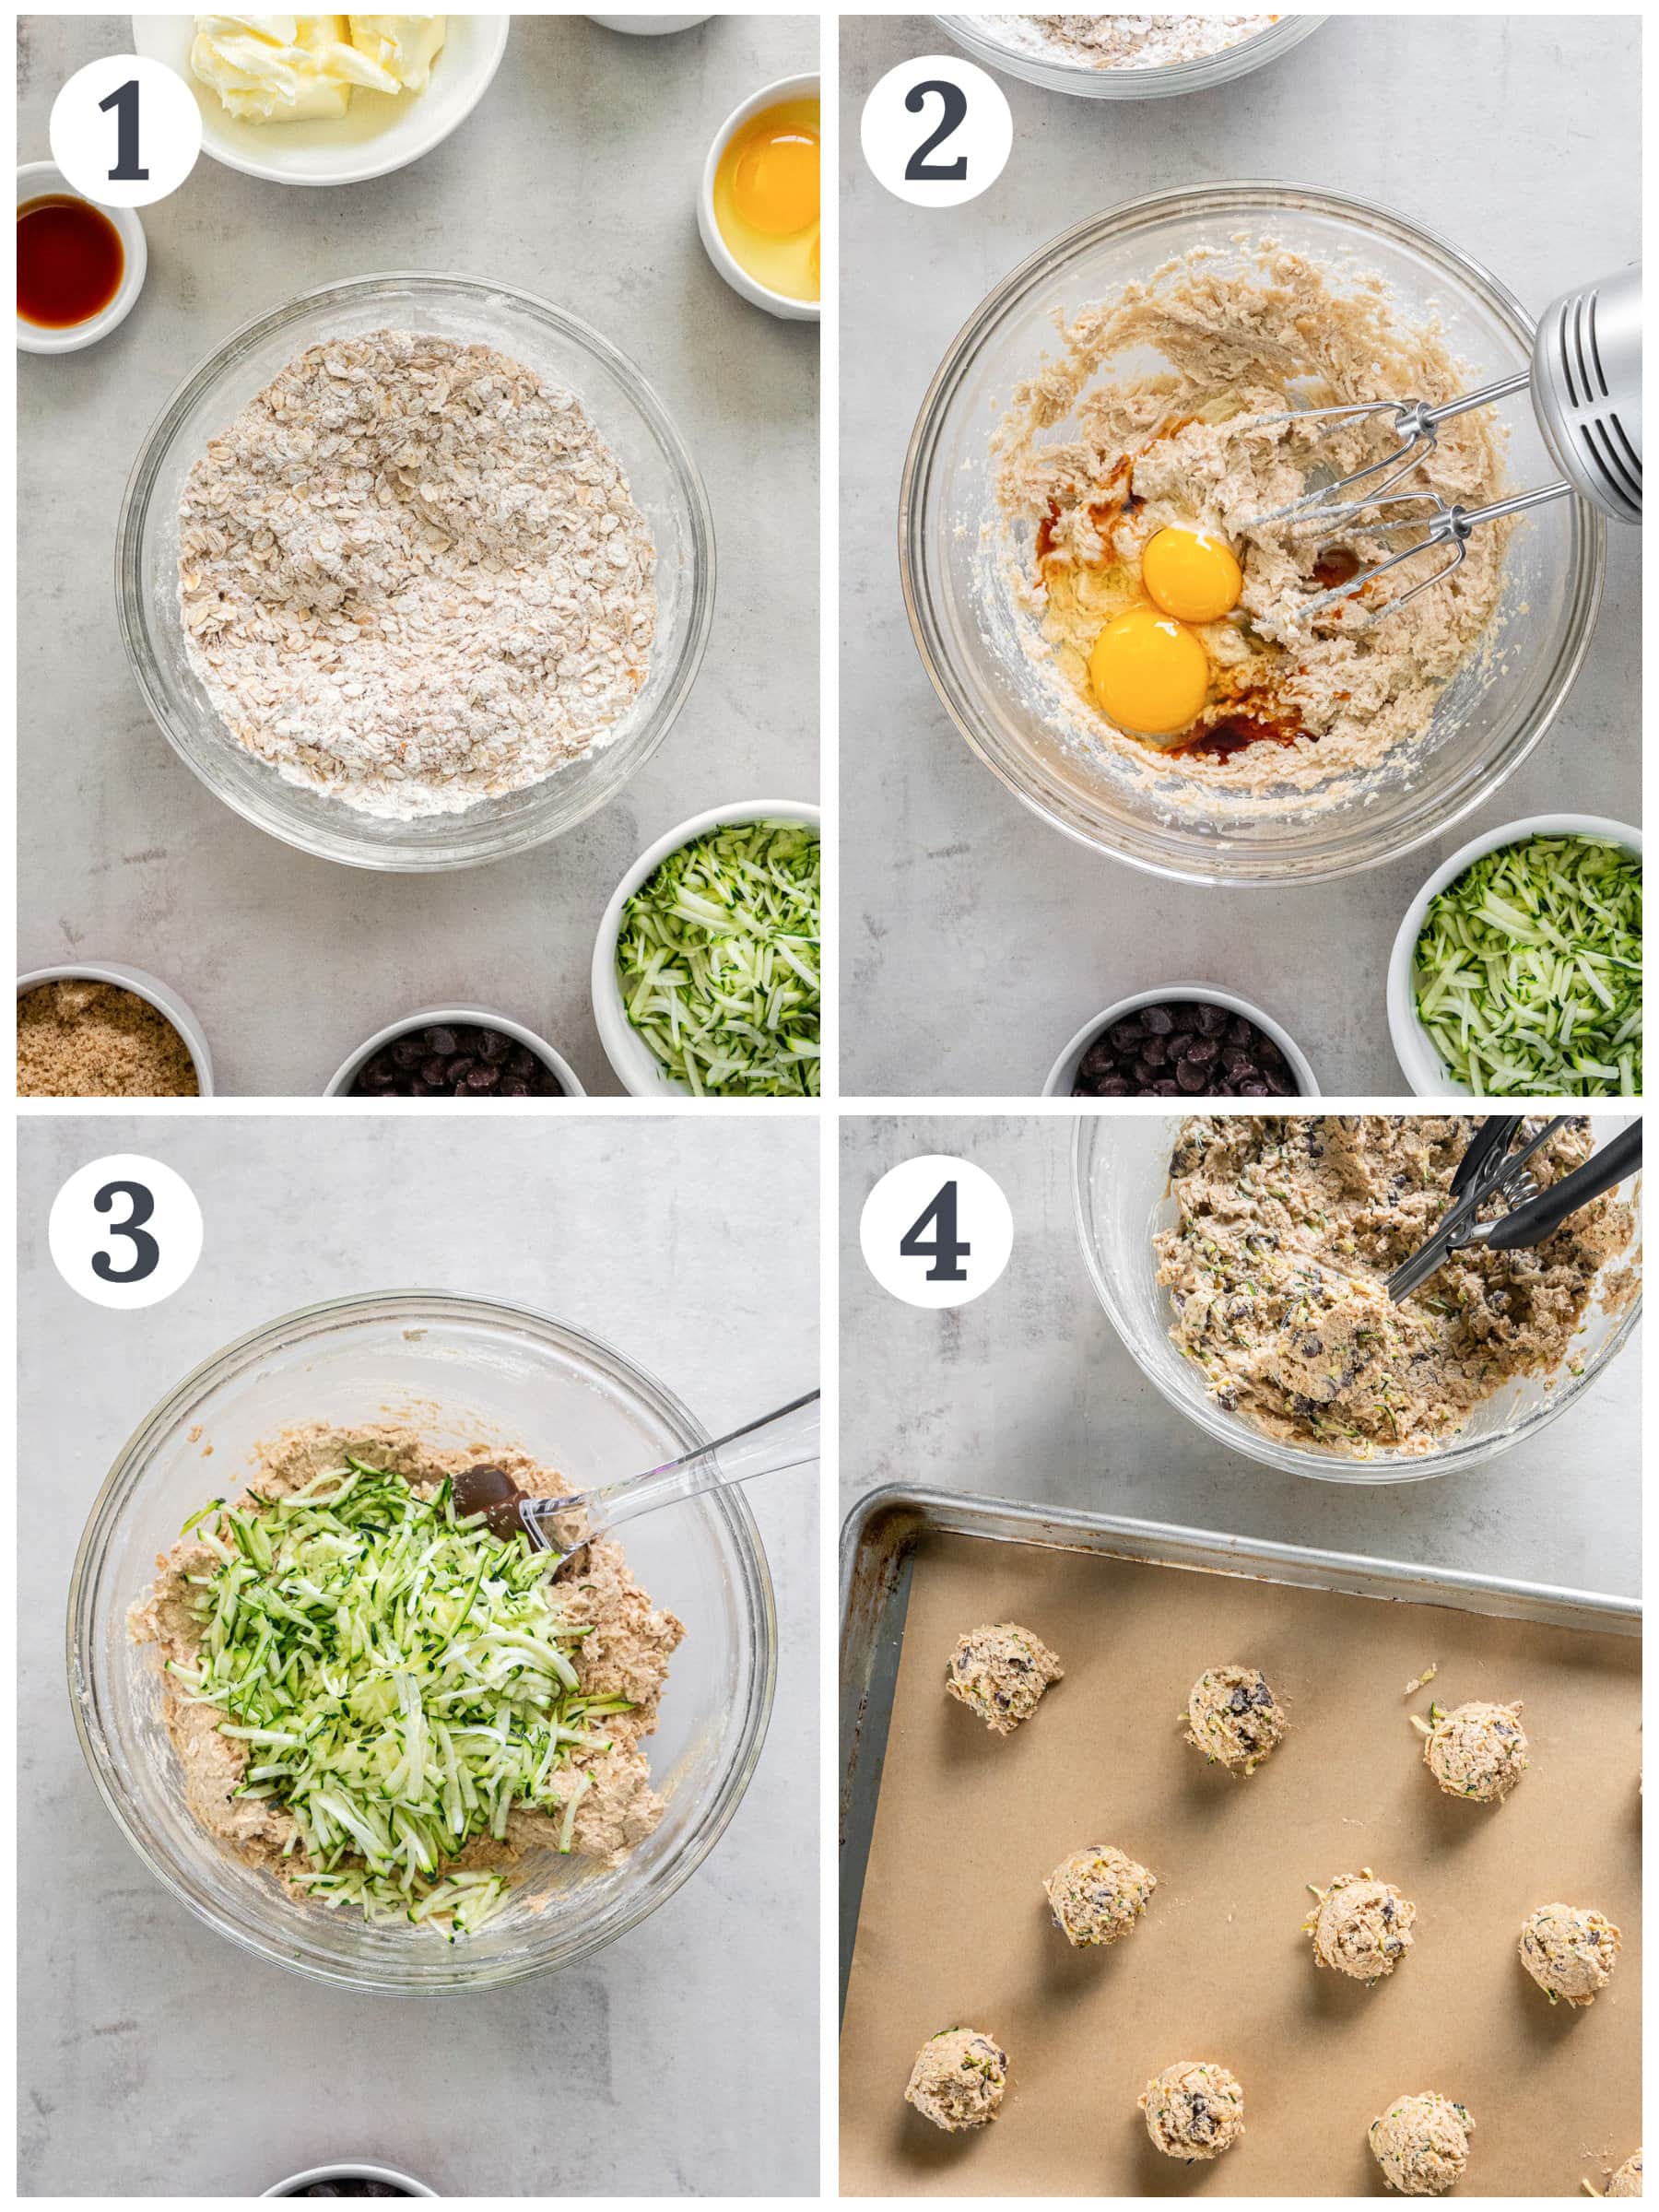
{"x":1539,"y":1219}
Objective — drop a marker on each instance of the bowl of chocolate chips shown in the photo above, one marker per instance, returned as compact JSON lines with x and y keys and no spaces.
{"x":455,"y":1053}
{"x":1182,"y":1041}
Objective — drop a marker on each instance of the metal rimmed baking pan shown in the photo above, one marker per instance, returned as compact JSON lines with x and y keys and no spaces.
{"x":946,"y":1833}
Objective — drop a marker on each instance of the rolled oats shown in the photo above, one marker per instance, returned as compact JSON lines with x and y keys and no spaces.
{"x":412,"y":575}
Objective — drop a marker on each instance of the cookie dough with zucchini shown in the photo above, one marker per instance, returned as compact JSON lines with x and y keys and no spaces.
{"x":390,"y":1708}
{"x":1289,"y":1227}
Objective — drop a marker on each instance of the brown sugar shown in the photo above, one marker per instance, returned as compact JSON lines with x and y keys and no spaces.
{"x":77,"y":1039}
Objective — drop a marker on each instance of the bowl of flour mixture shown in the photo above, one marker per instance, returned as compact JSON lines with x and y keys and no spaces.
{"x":1117,"y":385}
{"x":1127,"y":57}
{"x":415,"y":571}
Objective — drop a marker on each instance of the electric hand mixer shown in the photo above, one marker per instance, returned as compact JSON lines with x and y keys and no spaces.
{"x":1585,"y":380}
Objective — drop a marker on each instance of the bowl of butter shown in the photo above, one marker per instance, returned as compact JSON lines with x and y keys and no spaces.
{"x":326,"y":99}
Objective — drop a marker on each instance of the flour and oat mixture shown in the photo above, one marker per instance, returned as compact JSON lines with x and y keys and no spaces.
{"x":625,"y":1654}
{"x":1293,"y":711}
{"x":1289,"y":1228}
{"x":1122,"y":42}
{"x":412,"y":575}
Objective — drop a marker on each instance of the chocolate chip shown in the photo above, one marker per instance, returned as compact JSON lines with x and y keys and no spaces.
{"x":1183,"y":1047}
{"x":440,"y":1041}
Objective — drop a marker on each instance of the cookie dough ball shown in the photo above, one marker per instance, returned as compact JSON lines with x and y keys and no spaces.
{"x":1626,"y":2181}
{"x":1193,"y":2111}
{"x":1569,"y":1952}
{"x":1001,"y":1672}
{"x":1232,"y":1716}
{"x":1475,"y":1750}
{"x":959,"y":2079}
{"x":1422,"y":2144}
{"x":1360,"y":1927}
{"x":1098,"y":1895}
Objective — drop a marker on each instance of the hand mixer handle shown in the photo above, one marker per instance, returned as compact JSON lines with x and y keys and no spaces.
{"x":1586,"y":387}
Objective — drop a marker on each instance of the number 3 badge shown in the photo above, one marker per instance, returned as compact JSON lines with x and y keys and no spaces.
{"x":936,"y":1231}
{"x":936,"y":131}
{"x":125,"y":1231}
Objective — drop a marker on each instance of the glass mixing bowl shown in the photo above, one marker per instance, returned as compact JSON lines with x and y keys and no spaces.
{"x":974,"y":35}
{"x":631,"y":418}
{"x":463,"y":1370}
{"x":1485,"y":722}
{"x":1121,"y":1194}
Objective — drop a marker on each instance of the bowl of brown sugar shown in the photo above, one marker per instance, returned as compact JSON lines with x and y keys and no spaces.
{"x":105,"y":1031}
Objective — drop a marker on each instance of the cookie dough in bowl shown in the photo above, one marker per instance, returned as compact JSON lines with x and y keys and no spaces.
{"x":1112,"y":388}
{"x":415,"y":571}
{"x":1130,"y":1214}
{"x":430,"y":1380}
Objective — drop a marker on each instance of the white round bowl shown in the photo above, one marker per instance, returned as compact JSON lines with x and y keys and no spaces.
{"x":1063,"y":1073}
{"x":40,"y":181}
{"x":638,"y":1069}
{"x":382,"y":131}
{"x":1202,"y":75}
{"x":359,"y":2170}
{"x":471,"y":1017}
{"x":648,"y":27}
{"x":718,"y":252}
{"x":167,"y":1003}
{"x":1424,"y":1069}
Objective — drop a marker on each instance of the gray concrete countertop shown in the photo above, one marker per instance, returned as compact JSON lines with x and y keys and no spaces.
{"x":160,"y":2060}
{"x":976,"y":939}
{"x":1028,"y":1393}
{"x":575,"y":178}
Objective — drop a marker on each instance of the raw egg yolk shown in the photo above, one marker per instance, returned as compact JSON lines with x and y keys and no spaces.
{"x":1191,"y":576}
{"x":1149,"y":674}
{"x":775,"y":184}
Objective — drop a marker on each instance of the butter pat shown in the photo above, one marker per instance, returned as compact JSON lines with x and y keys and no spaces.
{"x":404,"y":46}
{"x":284,"y":68}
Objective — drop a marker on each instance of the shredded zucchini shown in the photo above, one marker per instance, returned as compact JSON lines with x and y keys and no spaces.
{"x":1528,"y":970}
{"x":402,"y":1680}
{"x":718,"y":961}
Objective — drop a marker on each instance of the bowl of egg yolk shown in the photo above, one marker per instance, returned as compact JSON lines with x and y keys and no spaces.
{"x":758,"y":210}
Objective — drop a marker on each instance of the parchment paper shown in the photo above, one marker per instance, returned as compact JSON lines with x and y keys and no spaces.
{"x":955,"y":1929}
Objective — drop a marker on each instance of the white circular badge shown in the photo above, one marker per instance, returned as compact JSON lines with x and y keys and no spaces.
{"x":936,"y":131}
{"x":125,"y":1231}
{"x":936,"y":1231}
{"x":126,"y":131}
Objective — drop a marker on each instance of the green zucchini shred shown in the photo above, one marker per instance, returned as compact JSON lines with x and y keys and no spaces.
{"x":1527,"y":972}
{"x":718,"y":961}
{"x":401,"y":1681}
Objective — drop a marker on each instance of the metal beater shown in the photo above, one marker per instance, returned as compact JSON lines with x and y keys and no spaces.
{"x":1585,"y":380}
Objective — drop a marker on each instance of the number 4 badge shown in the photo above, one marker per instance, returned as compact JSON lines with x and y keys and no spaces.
{"x":936,"y":1231}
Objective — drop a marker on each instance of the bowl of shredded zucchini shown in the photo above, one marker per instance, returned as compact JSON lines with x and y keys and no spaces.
{"x":357,"y":1733}
{"x":708,"y":962}
{"x":1517,"y":970}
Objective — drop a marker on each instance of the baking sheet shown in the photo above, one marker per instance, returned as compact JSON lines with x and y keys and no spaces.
{"x":953,"y":1925}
